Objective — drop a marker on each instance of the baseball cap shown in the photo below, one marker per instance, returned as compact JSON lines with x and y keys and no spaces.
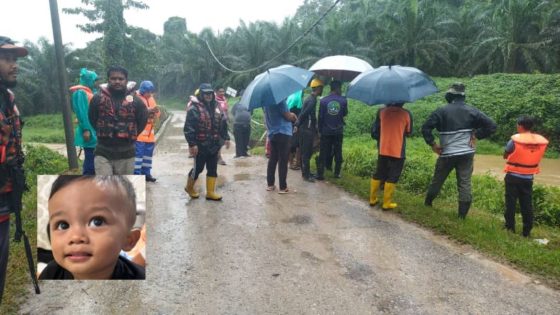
{"x":6,"y":44}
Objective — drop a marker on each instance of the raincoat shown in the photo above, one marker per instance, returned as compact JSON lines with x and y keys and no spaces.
{"x":81,"y":96}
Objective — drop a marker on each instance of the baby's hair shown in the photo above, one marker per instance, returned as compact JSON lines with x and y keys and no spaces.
{"x":119,"y":182}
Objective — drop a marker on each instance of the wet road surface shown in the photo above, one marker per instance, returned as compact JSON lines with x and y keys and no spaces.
{"x":316,"y":251}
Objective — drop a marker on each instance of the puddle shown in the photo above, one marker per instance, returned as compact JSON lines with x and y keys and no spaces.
{"x":298,"y":219}
{"x":240,"y":177}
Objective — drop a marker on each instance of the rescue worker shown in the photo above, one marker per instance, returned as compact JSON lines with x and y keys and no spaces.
{"x":118,"y":117}
{"x":145,"y":143}
{"x":11,"y":156}
{"x":332,"y":110}
{"x":205,"y":129}
{"x":523,"y":153}
{"x":84,"y":135}
{"x":459,"y":125}
{"x":306,"y":127}
{"x":221,"y":99}
{"x":392,"y":124}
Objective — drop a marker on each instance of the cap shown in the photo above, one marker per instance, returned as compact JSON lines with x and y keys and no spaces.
{"x":6,"y":44}
{"x":457,"y":88}
{"x":316,"y":83}
{"x":206,"y":88}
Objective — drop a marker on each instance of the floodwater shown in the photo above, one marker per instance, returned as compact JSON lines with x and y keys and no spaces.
{"x":494,"y":165}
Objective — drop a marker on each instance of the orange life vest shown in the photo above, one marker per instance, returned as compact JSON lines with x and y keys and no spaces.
{"x":528,"y":152}
{"x":84,"y":88}
{"x":148,"y":134}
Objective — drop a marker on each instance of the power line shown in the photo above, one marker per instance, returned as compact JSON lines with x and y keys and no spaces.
{"x":282,"y":52}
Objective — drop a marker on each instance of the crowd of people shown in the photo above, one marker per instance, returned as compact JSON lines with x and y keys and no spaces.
{"x":115,"y":129}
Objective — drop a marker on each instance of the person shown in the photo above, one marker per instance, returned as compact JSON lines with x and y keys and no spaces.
{"x":332,"y":110}
{"x":118,"y":118}
{"x":85,"y":136}
{"x":205,"y":130}
{"x":222,"y":102}
{"x":306,"y":126}
{"x":392,"y":124}
{"x":241,"y":129}
{"x":145,"y":143}
{"x":11,"y":157}
{"x":295,"y":103}
{"x":279,"y":132}
{"x":91,"y":220}
{"x":459,"y":125}
{"x":523,"y":153}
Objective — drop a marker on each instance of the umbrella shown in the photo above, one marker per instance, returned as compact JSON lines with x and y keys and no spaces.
{"x":391,"y":84}
{"x":340,"y":67}
{"x":275,"y":85}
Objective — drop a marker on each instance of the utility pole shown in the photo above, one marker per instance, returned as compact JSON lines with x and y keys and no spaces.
{"x":66,"y":112}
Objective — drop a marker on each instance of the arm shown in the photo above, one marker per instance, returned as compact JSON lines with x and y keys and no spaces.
{"x":376,"y":128}
{"x":307,"y":108}
{"x":510,"y":146}
{"x":190,"y":129}
{"x":484,"y":126}
{"x":320,"y":119}
{"x":432,"y":122}
{"x":93,"y":112}
{"x":141,"y":115}
{"x":409,"y":129}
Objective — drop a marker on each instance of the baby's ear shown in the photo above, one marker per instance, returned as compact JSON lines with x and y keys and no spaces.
{"x":131,"y":240}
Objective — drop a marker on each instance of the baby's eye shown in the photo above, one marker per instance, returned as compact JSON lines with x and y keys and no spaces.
{"x":62,"y":225}
{"x":96,"y":222}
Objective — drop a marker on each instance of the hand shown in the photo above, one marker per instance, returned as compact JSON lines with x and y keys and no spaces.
{"x":292,"y":117}
{"x":193,"y":150}
{"x":227,"y":144}
{"x":436,"y":148}
{"x":87,"y":135}
{"x":294,"y":130}
{"x":472,"y":143}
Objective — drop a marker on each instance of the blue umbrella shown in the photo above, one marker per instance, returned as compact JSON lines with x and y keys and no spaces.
{"x":391,"y":84}
{"x":275,"y":85}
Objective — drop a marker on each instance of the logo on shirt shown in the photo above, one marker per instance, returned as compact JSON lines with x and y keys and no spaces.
{"x":333,"y":108}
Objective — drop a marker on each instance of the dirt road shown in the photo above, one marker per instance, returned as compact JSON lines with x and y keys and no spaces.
{"x":316,"y":251}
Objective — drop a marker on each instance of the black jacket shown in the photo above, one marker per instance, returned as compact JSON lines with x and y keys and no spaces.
{"x":124,"y":270}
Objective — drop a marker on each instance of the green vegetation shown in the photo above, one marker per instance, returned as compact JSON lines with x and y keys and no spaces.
{"x":39,"y":160}
{"x":47,"y":128}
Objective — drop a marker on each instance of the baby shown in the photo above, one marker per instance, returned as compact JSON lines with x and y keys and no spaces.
{"x":91,"y":220}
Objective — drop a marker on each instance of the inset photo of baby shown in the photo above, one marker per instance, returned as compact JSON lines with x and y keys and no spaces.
{"x":91,"y":227}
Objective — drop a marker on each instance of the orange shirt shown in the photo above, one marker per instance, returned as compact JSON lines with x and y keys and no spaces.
{"x":395,"y":124}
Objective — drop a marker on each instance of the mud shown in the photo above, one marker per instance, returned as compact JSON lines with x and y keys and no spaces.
{"x":316,"y":251}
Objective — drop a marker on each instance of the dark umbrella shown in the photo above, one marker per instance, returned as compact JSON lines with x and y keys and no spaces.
{"x":391,"y":84}
{"x":275,"y":85}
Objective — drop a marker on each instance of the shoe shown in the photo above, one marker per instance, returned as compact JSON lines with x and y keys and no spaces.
{"x":388,"y":192}
{"x":284,"y":191}
{"x":270,"y":188}
{"x":374,"y":187}
{"x":320,"y":177}
{"x":211,"y":189}
{"x":222,"y":162}
{"x":189,"y":188}
{"x":150,"y":179}
{"x":309,"y":179}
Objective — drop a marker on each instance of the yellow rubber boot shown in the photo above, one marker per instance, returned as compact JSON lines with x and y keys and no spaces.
{"x":373,"y":188}
{"x":189,"y":188}
{"x":388,"y":196}
{"x":210,"y":189}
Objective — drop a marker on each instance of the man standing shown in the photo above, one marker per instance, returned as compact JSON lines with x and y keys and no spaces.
{"x":221,"y":99}
{"x":332,"y":110}
{"x":306,"y":125}
{"x":11,"y":154}
{"x":459,"y":126}
{"x":241,"y":129}
{"x":279,"y":128}
{"x":205,"y":130}
{"x":145,"y":143}
{"x":84,"y":135}
{"x":392,"y":124}
{"x":118,"y":117}
{"x":523,"y":153}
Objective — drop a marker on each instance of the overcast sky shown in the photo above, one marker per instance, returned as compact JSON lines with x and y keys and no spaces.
{"x":30,"y":19}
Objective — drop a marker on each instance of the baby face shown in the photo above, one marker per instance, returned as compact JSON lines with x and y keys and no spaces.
{"x":89,"y":227}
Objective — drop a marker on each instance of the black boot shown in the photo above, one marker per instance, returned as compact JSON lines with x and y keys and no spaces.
{"x":429,"y":199}
{"x":464,"y":207}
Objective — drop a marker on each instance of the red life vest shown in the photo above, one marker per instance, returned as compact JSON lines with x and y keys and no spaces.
{"x":116,"y":122}
{"x":528,"y":152}
{"x":208,"y":130}
{"x":10,"y":139}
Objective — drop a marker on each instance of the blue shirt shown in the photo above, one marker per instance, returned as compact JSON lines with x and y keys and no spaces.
{"x":275,"y":121}
{"x":332,"y":110}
